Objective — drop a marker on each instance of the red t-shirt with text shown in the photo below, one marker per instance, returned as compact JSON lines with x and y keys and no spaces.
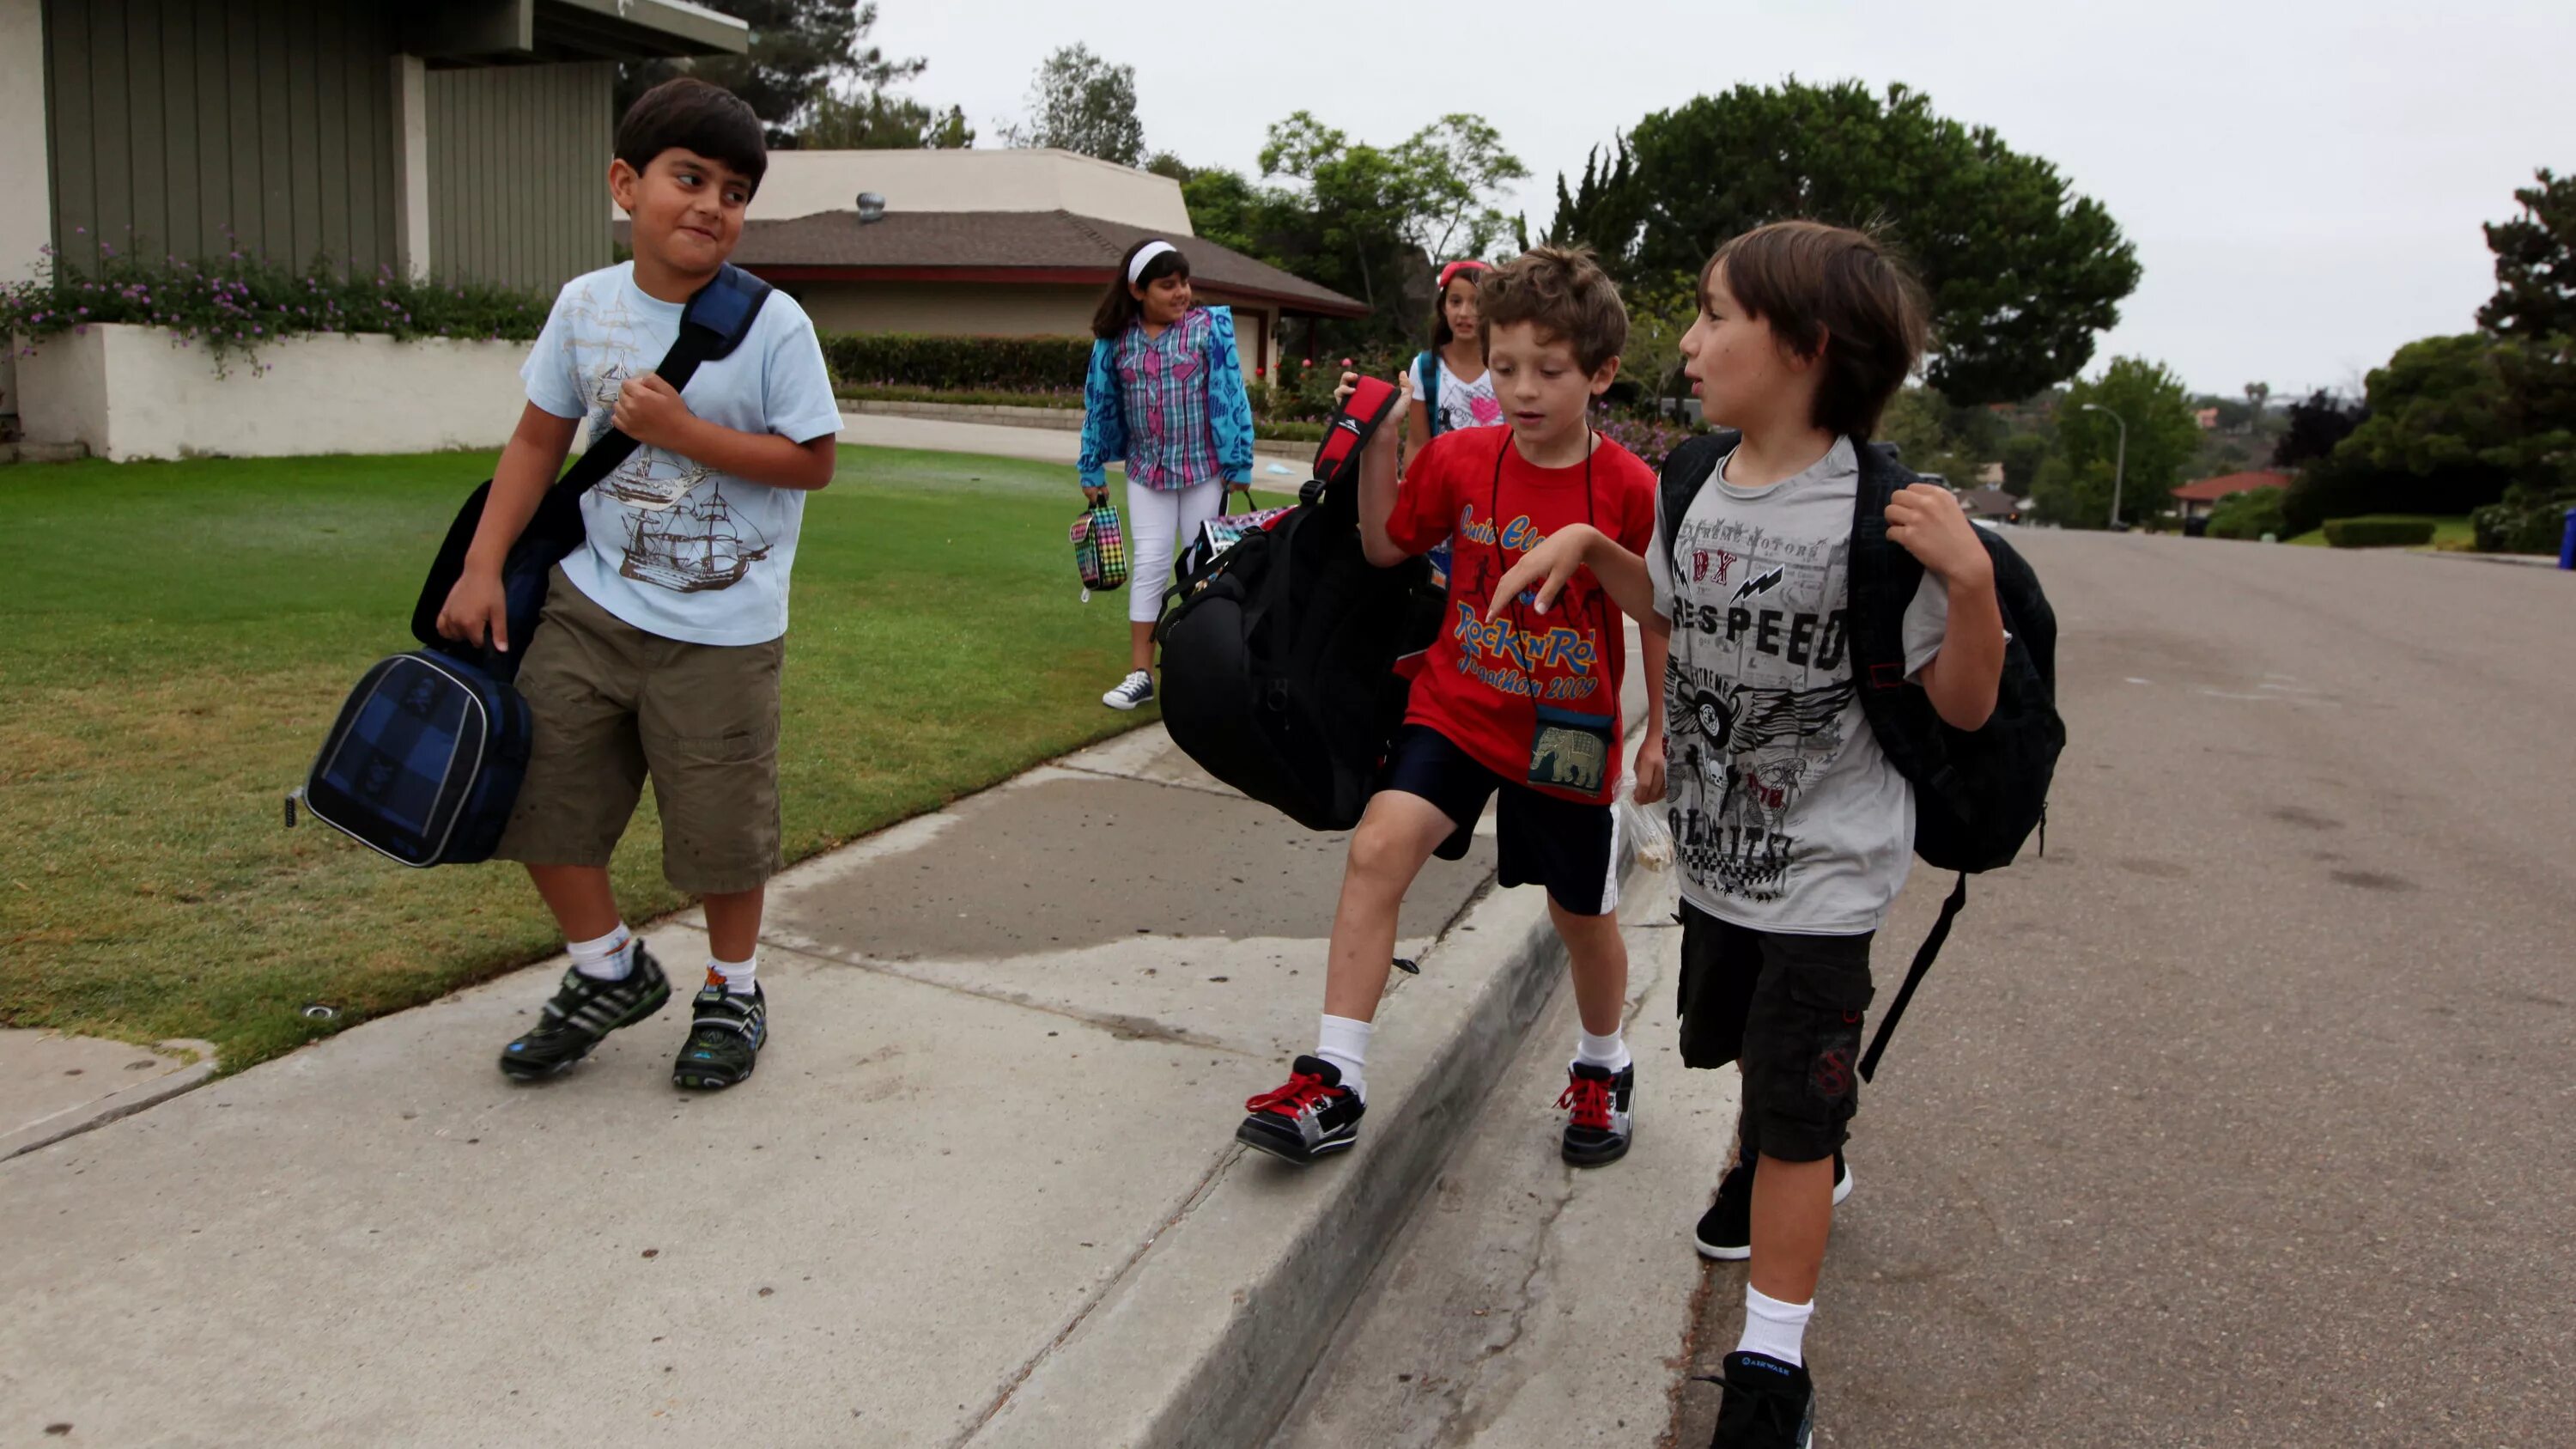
{"x":1486,"y":686}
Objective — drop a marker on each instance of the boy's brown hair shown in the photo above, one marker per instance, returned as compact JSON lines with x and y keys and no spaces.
{"x":1564,"y":292}
{"x":1837,"y":291}
{"x":689,"y":114}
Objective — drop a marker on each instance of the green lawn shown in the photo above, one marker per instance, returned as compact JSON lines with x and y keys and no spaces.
{"x":175,"y":637}
{"x":2448,"y":532}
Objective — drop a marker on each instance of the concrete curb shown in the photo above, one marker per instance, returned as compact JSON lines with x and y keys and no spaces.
{"x":77,"y":1120}
{"x":1209,"y":1336}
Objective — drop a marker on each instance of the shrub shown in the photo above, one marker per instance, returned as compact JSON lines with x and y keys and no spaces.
{"x":958,"y":364}
{"x":2527,"y":521}
{"x":2378,"y":532}
{"x":1651,"y":439}
{"x":235,"y":304}
{"x":2249,"y":515}
{"x":1068,"y":398}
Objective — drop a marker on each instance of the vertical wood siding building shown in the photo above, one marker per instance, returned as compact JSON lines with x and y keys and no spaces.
{"x":461,"y":139}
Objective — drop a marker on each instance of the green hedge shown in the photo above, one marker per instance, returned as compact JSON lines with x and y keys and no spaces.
{"x":958,"y":364}
{"x":1068,"y":399}
{"x":2378,"y":532}
{"x":2249,"y":515}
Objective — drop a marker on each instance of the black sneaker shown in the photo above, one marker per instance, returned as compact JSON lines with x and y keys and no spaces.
{"x":1768,"y":1404}
{"x":1306,"y":1119}
{"x":585,"y":1009}
{"x":1599,"y":1130}
{"x":1726,"y":1230}
{"x":724,"y":1039}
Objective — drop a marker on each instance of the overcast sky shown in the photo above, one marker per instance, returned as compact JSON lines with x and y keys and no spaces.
{"x":2303,"y":181}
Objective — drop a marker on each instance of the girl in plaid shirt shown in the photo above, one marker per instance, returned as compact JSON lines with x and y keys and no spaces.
{"x":1165,"y":394}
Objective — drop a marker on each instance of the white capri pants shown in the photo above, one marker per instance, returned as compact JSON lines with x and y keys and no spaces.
{"x":1157,"y":520}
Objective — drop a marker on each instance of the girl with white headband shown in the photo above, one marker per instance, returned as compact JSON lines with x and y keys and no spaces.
{"x":1165,"y":393}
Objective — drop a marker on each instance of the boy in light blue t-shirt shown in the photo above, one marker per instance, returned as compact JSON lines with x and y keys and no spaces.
{"x":665,"y":632}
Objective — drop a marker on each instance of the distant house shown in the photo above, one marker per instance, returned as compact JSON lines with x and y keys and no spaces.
{"x":2206,"y":417}
{"x":993,"y":243}
{"x":2199,"y":500}
{"x":1993,"y":505}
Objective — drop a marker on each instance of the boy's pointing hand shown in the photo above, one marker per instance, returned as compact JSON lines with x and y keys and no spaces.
{"x":650,"y":411}
{"x":1546,"y":568}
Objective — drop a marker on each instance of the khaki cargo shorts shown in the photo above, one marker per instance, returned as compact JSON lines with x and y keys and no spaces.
{"x":614,"y":704}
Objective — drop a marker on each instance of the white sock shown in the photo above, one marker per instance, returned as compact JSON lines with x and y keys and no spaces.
{"x":1603,"y":1051}
{"x":1775,"y":1328}
{"x":1344,"y":1043}
{"x":737,"y":974}
{"x":607,"y":958}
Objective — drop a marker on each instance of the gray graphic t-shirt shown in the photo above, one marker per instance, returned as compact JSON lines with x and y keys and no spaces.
{"x":1785,"y":815}
{"x":675,"y":547}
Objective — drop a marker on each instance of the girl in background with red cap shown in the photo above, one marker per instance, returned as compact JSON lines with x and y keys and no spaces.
{"x":1450,"y":387}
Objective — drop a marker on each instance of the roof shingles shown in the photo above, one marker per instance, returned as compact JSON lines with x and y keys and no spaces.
{"x":1010,"y":241}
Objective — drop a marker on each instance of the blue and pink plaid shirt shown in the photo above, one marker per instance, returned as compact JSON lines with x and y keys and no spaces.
{"x":1173,"y":406}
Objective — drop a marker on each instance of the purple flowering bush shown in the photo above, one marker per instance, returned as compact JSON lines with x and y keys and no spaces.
{"x":1651,"y":439}
{"x":234,"y":304}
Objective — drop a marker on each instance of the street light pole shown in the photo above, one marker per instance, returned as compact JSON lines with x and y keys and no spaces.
{"x":2120,"y":463}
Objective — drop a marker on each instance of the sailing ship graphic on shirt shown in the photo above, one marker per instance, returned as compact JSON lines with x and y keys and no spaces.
{"x":693,"y":546}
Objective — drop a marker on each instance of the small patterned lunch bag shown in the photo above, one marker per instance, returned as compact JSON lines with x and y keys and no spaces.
{"x":1099,"y":549}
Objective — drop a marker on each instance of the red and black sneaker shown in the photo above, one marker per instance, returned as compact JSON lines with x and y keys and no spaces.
{"x":1311,"y":1116}
{"x":1599,"y":1128}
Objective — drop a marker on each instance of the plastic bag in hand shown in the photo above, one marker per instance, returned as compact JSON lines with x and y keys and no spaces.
{"x":1644,"y":825}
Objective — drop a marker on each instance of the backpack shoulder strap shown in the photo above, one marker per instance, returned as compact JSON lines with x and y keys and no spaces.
{"x":718,"y":317}
{"x":1923,"y":958}
{"x":1686,"y":470}
{"x":1426,"y":368}
{"x":1883,"y":575}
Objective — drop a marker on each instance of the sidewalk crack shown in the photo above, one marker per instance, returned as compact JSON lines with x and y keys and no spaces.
{"x":1126,"y":1270}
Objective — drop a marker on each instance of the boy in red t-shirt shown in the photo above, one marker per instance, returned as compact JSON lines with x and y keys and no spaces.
{"x":1525,"y":706}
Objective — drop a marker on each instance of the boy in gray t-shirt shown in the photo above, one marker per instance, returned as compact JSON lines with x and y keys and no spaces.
{"x":1786,"y":817}
{"x":1794,"y":831}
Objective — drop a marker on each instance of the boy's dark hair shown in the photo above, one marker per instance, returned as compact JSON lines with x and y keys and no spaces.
{"x":1833,"y":290}
{"x":1565,"y":294}
{"x":1119,"y":308}
{"x":688,"y":114}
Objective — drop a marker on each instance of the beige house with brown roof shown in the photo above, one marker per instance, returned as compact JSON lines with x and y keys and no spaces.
{"x":993,"y":243}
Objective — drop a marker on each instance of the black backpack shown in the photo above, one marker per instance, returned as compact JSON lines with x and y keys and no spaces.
{"x":1978,"y":796}
{"x":1279,"y":655}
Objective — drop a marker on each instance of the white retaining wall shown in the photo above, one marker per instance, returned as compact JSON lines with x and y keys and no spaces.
{"x":131,"y":392}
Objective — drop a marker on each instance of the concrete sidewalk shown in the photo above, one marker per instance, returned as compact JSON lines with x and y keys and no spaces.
{"x":983,"y":1190}
{"x":1043,"y":445}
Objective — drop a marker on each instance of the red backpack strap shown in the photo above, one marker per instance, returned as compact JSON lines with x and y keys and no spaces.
{"x":1346,"y":435}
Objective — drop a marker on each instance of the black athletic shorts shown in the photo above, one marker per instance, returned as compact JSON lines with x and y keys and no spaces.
{"x":1789,"y":1008}
{"x":1568,"y":847}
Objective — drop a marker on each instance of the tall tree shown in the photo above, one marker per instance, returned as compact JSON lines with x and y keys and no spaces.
{"x":2316,"y":425}
{"x":2256,"y":395}
{"x":882,"y":121}
{"x":2533,"y":318}
{"x":2438,"y":425}
{"x":2023,"y":272}
{"x":1081,"y":102}
{"x":798,"y":48}
{"x":2535,"y":263}
{"x":1376,"y":217}
{"x":2162,"y":436}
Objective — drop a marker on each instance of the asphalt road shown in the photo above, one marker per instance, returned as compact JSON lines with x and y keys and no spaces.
{"x":2248,"y":1115}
